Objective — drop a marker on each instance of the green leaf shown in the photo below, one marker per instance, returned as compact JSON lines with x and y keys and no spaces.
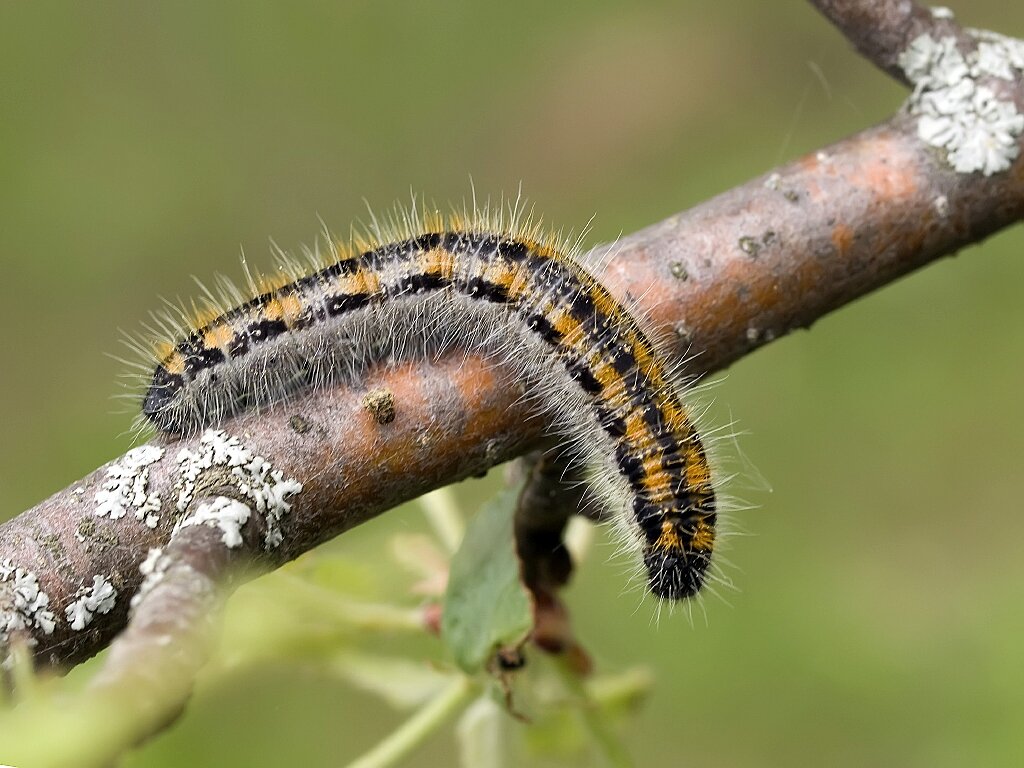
{"x":486,"y":605}
{"x":403,"y":683}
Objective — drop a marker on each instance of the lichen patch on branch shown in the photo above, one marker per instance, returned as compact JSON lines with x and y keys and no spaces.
{"x":28,"y":608}
{"x":127,"y":487}
{"x":978,"y":129}
{"x":253,"y":476}
{"x":999,"y":55}
{"x":229,"y":515}
{"x":152,"y":569}
{"x":100,"y":597}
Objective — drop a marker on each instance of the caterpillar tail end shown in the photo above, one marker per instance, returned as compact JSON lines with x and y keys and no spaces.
{"x":676,"y":576}
{"x":678,"y":560}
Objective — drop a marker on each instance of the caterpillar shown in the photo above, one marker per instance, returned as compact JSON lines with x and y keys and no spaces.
{"x":423,"y":284}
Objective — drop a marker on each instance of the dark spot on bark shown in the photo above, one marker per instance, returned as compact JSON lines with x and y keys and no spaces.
{"x":300,"y":424}
{"x":381,"y":405}
{"x":678,"y":270}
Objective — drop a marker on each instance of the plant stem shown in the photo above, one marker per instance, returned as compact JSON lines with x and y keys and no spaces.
{"x":417,"y":728}
{"x":604,"y":741}
{"x":442,"y":511}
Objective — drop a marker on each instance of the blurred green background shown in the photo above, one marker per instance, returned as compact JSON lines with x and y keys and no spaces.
{"x":881,"y":606}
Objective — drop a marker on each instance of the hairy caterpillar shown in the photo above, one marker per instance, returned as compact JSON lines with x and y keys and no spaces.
{"x":422,"y":285}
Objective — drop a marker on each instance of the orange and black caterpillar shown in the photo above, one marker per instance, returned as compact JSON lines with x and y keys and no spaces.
{"x":505,"y":291}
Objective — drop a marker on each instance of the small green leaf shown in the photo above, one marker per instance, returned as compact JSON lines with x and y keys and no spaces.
{"x":486,"y":605}
{"x":402,"y":683}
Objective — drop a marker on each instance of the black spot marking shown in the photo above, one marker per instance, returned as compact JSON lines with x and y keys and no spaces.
{"x":454,"y":241}
{"x":204,"y":358}
{"x":428,"y":242}
{"x":239,"y":345}
{"x":485,"y":289}
{"x":423,"y":282}
{"x":544,"y":329}
{"x":340,"y":303}
{"x":648,"y":516}
{"x":630,"y":465}
{"x":513,"y":250}
{"x":509,"y":659}
{"x":611,"y":423}
{"x":652,"y":416}
{"x":346,"y":267}
{"x":263,"y":330}
{"x":583,"y":376}
{"x":622,"y":361}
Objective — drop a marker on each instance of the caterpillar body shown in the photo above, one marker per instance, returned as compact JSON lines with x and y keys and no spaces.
{"x":427,"y":284}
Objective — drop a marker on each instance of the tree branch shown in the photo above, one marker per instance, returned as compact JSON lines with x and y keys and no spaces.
{"x":724,"y":279}
{"x":882,"y":29}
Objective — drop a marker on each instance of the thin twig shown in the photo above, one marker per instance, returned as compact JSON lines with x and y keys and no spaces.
{"x":404,"y":739}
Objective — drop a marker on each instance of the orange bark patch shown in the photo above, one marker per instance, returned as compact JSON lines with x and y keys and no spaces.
{"x":885,"y":169}
{"x":842,"y":238}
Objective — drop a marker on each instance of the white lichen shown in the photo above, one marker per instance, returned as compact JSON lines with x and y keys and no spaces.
{"x":998,"y":55}
{"x":127,"y":487}
{"x":152,"y":569}
{"x":229,"y":515}
{"x":941,"y":12}
{"x":29,"y":605}
{"x":978,"y":130}
{"x":254,"y":477}
{"x":100,"y":597}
